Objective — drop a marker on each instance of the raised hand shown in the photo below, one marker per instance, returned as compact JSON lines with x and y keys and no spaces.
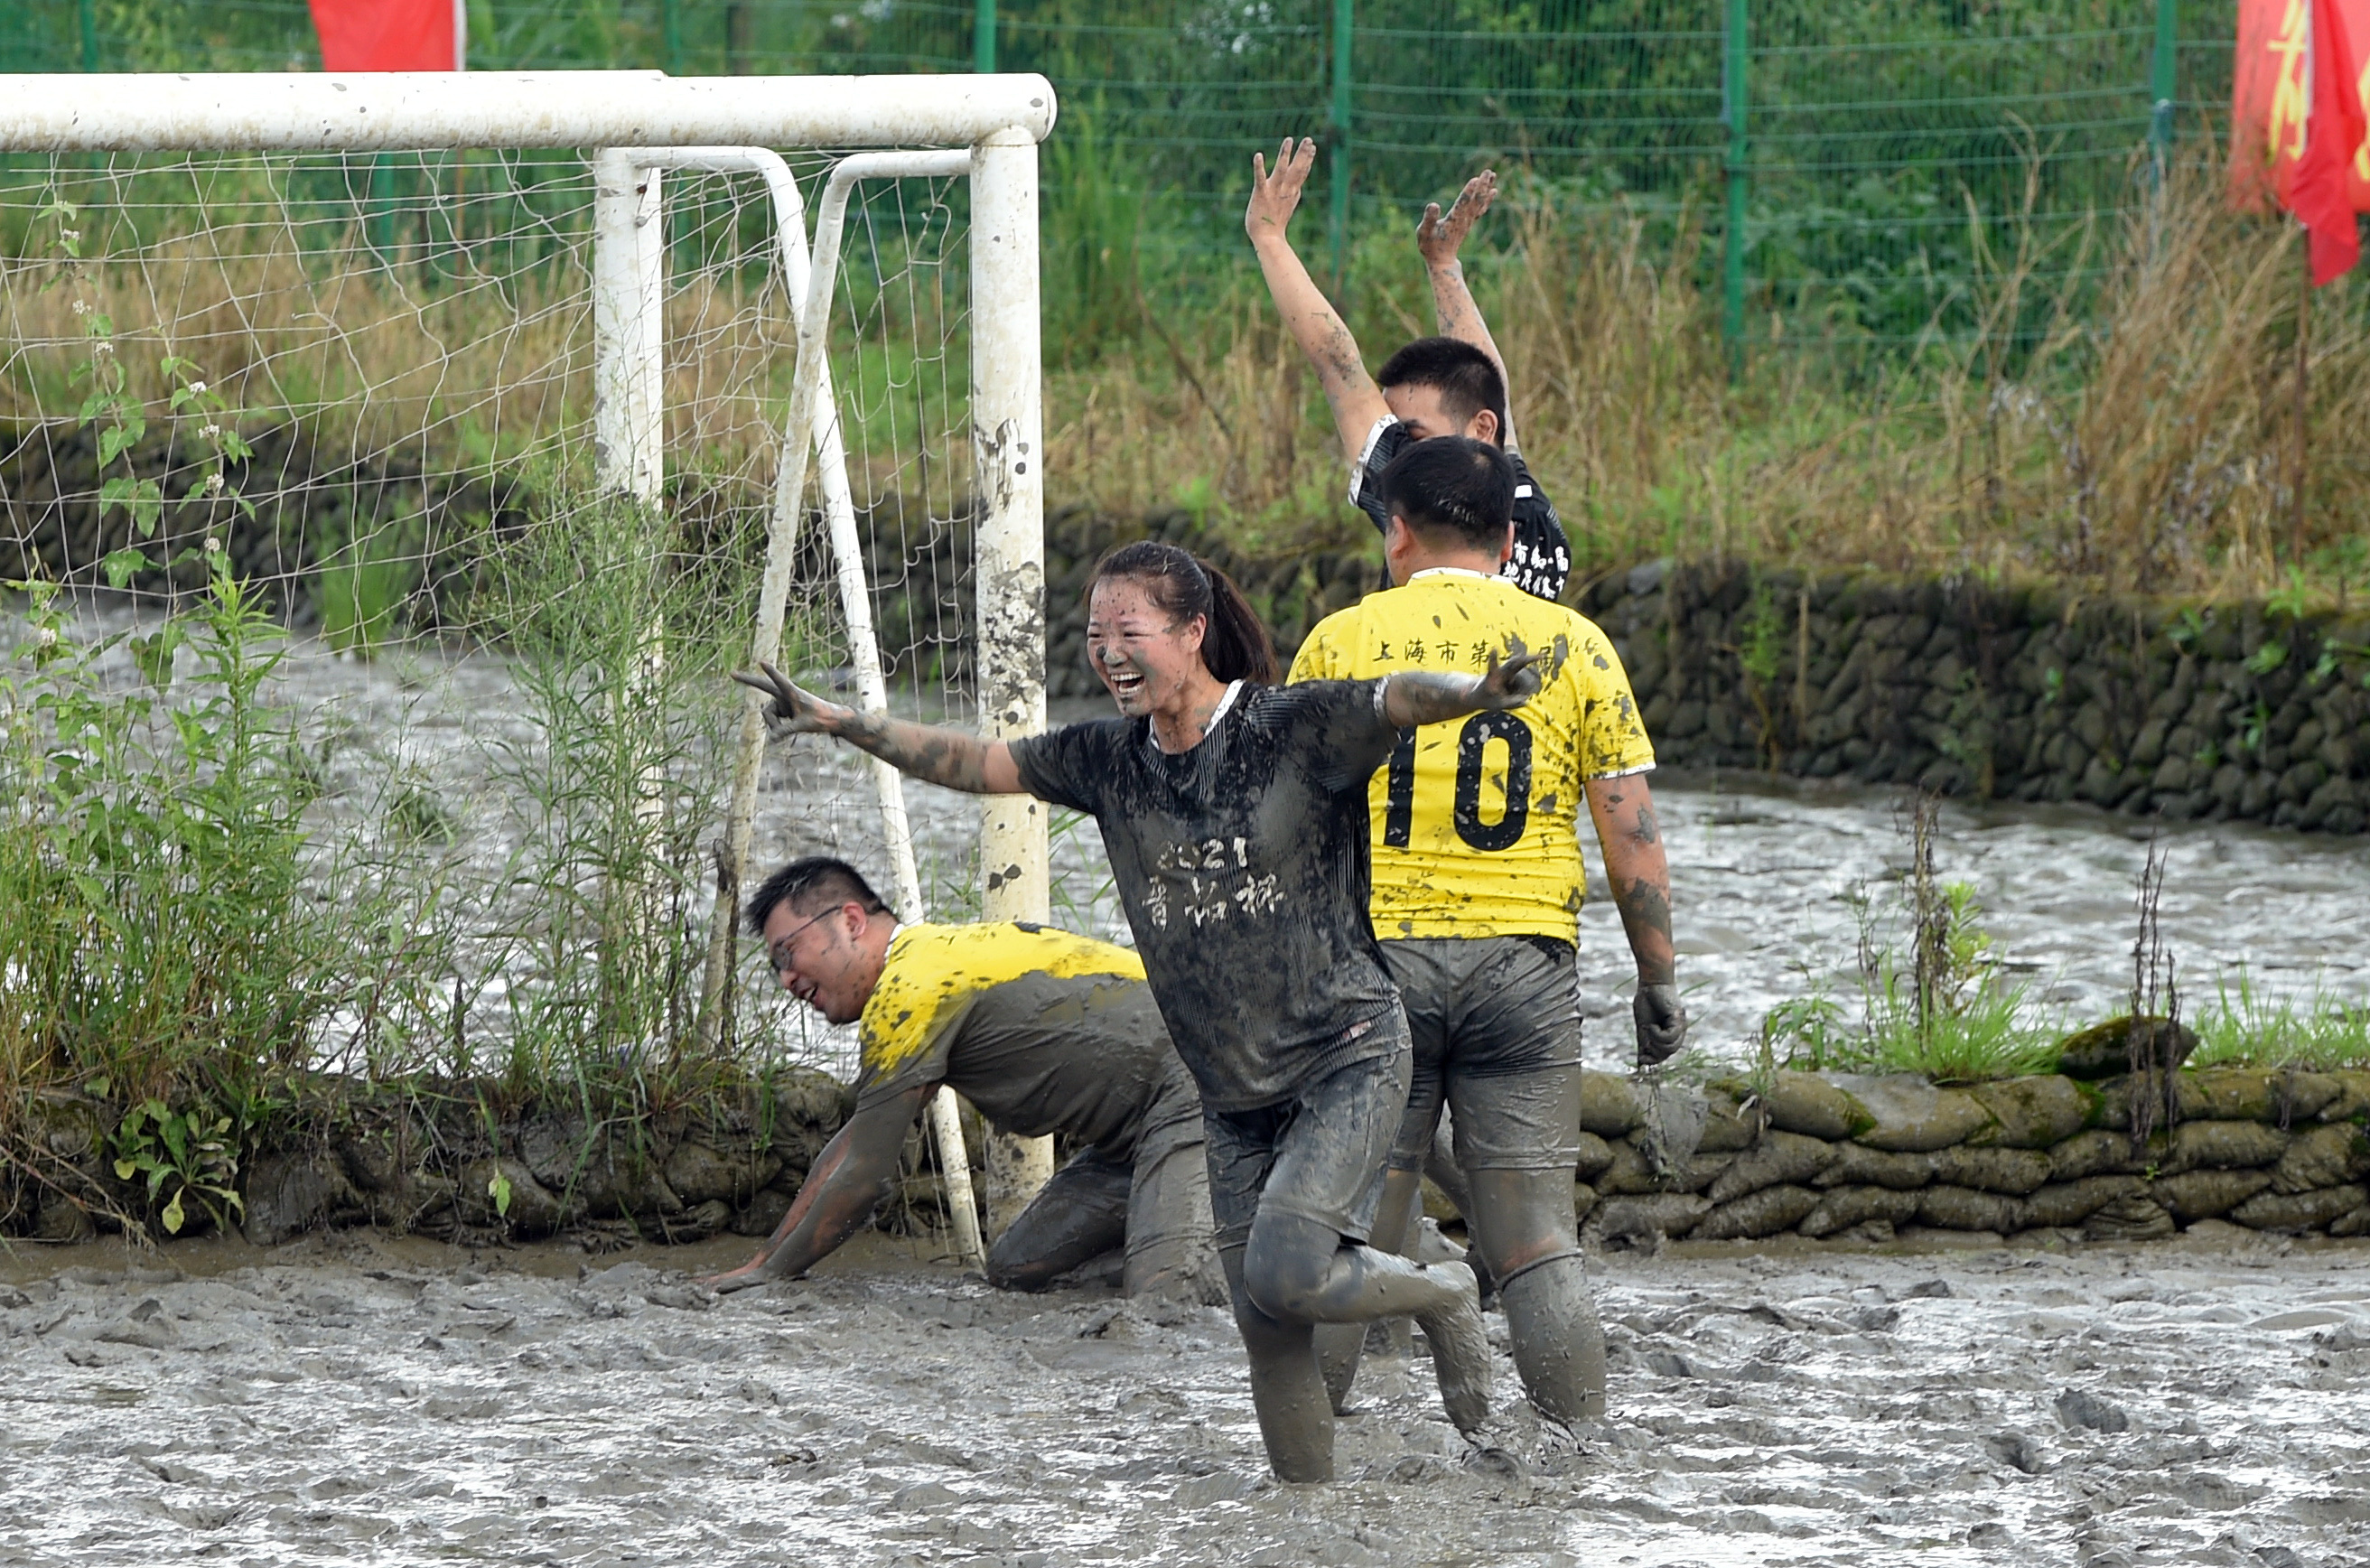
{"x":1662,"y":1021}
{"x":796,"y":711}
{"x":1438,"y":237}
{"x":1275,"y":195}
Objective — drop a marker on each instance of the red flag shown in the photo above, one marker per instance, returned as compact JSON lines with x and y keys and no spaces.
{"x":2299,"y":90}
{"x":390,"y":35}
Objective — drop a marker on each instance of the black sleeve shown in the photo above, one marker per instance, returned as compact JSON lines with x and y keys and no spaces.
{"x":1347,"y":737}
{"x":1383,"y":443}
{"x":1068,"y":765}
{"x":1542,"y":559}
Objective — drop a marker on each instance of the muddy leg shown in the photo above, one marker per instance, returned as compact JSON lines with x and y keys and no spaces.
{"x":1339,"y":1345}
{"x":1077,"y":1217}
{"x":1296,"y":1418}
{"x":1522,"y":1225}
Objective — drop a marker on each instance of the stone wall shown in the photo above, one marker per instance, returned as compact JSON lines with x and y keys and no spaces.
{"x":1876,"y":1159}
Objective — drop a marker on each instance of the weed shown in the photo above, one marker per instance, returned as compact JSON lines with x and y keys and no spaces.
{"x":2244,"y":1027}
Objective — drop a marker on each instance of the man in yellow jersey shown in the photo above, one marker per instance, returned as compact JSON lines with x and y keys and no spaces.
{"x":1477,"y":882}
{"x":1046,"y":1033}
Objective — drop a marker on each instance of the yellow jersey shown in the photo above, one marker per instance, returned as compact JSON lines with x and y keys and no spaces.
{"x":932,"y":974}
{"x":1475,"y":820}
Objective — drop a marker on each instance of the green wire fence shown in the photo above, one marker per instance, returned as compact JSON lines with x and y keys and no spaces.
{"x":1842,"y":157}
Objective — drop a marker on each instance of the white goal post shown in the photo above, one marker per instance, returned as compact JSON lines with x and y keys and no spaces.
{"x":635,"y":126}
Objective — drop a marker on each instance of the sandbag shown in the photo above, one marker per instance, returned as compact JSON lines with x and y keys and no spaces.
{"x":1964,"y":1208}
{"x":2096,"y":1152}
{"x":1656,"y":1214}
{"x":503,"y":1194}
{"x":2300,"y":1211}
{"x":1759,"y":1214}
{"x":2034,"y":1112}
{"x":1608,"y":1105}
{"x":2323,"y":1157}
{"x":2062,"y":1204}
{"x":1783,"y":1158}
{"x":1856,"y":1164}
{"x":1804,"y":1104}
{"x":2222,"y":1146}
{"x":1595,"y":1155}
{"x":2013,"y":1170}
{"x":2133,"y":1219}
{"x":2254,"y":1094}
{"x":1583,"y":1201}
{"x":1728,"y":1127}
{"x":1840,"y":1208}
{"x":698,"y":1171}
{"x":2194,"y":1195}
{"x":2104,"y":1050}
{"x":1910,"y":1115}
{"x":2352,"y":1101}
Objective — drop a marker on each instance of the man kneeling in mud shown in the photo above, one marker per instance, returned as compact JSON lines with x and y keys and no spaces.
{"x":1044,"y":1031}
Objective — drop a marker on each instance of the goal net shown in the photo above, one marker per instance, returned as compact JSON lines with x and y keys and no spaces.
{"x":389,"y":518}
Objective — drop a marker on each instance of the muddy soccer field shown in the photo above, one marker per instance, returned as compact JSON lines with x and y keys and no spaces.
{"x":353,"y":1399}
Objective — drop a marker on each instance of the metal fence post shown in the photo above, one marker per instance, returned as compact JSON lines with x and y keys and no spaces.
{"x":2161,"y":80}
{"x":1733,"y":98}
{"x":671,"y":36}
{"x":87,"y":16}
{"x":983,"y":36}
{"x":1338,"y":216}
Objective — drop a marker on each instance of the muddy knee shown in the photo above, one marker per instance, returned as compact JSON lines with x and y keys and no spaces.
{"x":1287,"y":1265}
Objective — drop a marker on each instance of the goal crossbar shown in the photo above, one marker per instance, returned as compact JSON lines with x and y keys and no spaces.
{"x":311,"y":112}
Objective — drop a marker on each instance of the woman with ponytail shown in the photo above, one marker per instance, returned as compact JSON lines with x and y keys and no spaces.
{"x":1234,"y":811}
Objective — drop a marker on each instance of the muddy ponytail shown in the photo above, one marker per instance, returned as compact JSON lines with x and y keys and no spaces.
{"x":1235,"y":646}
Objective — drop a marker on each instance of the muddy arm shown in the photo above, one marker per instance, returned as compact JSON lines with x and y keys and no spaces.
{"x":927,"y":751}
{"x":1639,"y":875}
{"x":853,"y":1174}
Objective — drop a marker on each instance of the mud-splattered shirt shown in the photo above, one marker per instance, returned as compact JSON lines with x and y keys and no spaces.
{"x":1044,"y":1031}
{"x":1541,"y":563}
{"x":1475,"y":820}
{"x":1242,"y":864}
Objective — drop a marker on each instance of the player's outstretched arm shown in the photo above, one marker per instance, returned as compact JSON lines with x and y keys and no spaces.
{"x":1430,"y":696}
{"x":1631,"y":838}
{"x":1438,"y":237}
{"x":927,"y":751}
{"x":850,"y":1177}
{"x":1308,"y":315}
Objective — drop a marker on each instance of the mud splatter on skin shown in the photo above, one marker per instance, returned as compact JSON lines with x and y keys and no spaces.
{"x":357,"y":1401}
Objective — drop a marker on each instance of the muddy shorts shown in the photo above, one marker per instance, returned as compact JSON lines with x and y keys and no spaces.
{"x":1318,"y":1156}
{"x":1495,"y":1022}
{"x":1153,"y":1199}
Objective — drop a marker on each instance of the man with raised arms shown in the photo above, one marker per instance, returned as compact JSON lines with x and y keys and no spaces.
{"x":1450,"y":384}
{"x":1046,"y":1033}
{"x":1235,"y":815}
{"x":1477,"y":882}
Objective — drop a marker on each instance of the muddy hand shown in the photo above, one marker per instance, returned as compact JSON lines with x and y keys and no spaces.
{"x":1438,"y":237}
{"x":1662,"y":1021}
{"x":1275,"y":195}
{"x":1512,"y":682}
{"x":796,"y":711}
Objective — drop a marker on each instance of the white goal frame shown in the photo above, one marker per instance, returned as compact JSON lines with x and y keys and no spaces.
{"x":639,"y":124}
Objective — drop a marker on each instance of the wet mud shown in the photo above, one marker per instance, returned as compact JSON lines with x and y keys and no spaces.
{"x":366,"y":1400}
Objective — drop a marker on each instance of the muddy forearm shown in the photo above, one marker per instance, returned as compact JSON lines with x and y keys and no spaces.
{"x":1325,"y":339}
{"x":1428,"y":696}
{"x":849,"y":1180}
{"x":926,"y":751}
{"x":1638,"y":872}
{"x":1457,"y":315}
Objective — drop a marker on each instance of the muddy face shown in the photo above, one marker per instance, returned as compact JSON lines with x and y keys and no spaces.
{"x":1143,"y":654}
{"x":1426,"y":415}
{"x":818,"y":959}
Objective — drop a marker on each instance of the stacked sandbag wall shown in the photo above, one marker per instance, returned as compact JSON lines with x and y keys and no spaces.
{"x":2256,"y":712}
{"x":438,"y":1160}
{"x":1875,"y":1158}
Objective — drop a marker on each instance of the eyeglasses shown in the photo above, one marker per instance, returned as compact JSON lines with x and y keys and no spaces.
{"x":777,"y":951}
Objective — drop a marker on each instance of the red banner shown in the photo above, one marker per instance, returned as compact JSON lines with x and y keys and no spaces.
{"x":388,"y":35}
